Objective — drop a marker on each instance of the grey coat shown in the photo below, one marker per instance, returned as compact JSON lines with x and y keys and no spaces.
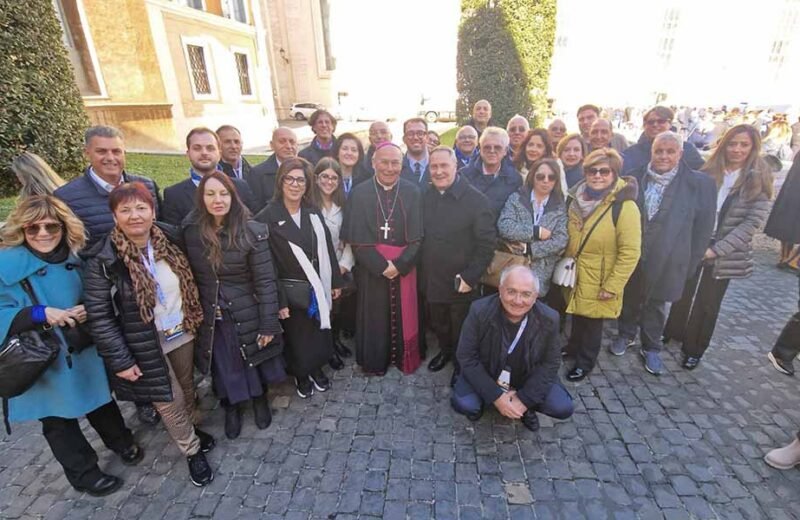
{"x":516,"y":224}
{"x":733,"y":240}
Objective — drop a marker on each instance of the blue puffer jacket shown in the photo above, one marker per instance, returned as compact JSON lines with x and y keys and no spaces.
{"x":638,"y":155}
{"x":89,"y":201}
{"x":496,"y":188}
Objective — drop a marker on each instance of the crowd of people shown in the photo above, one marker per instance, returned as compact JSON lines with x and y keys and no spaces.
{"x":255,"y":273}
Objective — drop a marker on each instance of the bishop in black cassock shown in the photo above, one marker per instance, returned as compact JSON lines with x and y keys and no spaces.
{"x":383,"y":225}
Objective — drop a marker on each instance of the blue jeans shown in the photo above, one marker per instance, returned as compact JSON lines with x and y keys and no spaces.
{"x":557,"y":404}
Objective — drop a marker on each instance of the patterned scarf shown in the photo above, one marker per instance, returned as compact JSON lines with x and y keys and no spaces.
{"x":145,"y":286}
{"x":656,"y":185}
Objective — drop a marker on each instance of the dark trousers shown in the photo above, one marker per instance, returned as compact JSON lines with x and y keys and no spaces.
{"x":693,"y":318}
{"x":73,"y":451}
{"x":446,"y":320}
{"x":555,"y":300}
{"x":557,"y":404}
{"x":643,"y":314}
{"x":584,"y":341}
{"x":787,"y":347}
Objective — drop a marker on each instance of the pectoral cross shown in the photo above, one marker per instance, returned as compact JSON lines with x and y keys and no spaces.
{"x":385,"y":228}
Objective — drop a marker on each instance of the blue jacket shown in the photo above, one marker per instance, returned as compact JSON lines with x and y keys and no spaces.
{"x":60,"y":391}
{"x":638,"y":155}
{"x":89,"y":201}
{"x":496,"y":188}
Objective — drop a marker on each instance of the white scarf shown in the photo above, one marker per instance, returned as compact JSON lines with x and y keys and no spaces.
{"x":321,"y":283}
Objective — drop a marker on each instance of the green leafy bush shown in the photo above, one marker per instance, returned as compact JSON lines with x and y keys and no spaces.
{"x":504,"y":53}
{"x":40,"y":107}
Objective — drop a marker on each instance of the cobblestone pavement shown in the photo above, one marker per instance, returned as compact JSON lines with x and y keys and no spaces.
{"x":684,"y":445}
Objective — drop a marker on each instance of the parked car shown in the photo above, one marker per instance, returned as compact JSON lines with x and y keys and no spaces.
{"x":302,"y":111}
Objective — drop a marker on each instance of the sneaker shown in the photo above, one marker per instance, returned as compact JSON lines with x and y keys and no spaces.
{"x":320,"y":380}
{"x":786,"y":457}
{"x":620,"y":345}
{"x":652,"y":362}
{"x":147,"y":414}
{"x":304,"y":388}
{"x":207,"y":442}
{"x":781,"y":366}
{"x":199,"y":471}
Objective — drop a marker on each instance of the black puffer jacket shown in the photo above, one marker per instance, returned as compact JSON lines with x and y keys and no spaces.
{"x":123,"y":339}
{"x":245,"y":284}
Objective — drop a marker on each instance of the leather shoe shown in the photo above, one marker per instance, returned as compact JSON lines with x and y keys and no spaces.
{"x":439,"y":361}
{"x":104,"y":485}
{"x":690,"y":362}
{"x":577,"y":374}
{"x":530,"y":421}
{"x":335,"y":362}
{"x":233,"y":421}
{"x":784,"y":367}
{"x":262,"y":412}
{"x":132,"y":455}
{"x":147,"y":414}
{"x":474,"y":417}
{"x":340,"y":348}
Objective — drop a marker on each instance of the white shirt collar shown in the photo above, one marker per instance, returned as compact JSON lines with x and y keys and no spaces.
{"x":103,"y":184}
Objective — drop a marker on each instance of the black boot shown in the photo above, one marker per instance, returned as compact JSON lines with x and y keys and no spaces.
{"x":262,"y":412}
{"x":233,"y":420}
{"x":340,"y":348}
{"x":335,"y":362}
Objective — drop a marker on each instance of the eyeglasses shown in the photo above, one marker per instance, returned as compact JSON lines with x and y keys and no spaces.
{"x":545,"y":177}
{"x":299,"y":181}
{"x":418,"y":133}
{"x":492,"y":148}
{"x":658,"y":121}
{"x":327,"y":178}
{"x":604,"y":171}
{"x":51,"y":228}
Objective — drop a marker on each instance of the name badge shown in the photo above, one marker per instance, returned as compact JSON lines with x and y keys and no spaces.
{"x":218,"y":313}
{"x":504,"y":381}
{"x":172,"y":326}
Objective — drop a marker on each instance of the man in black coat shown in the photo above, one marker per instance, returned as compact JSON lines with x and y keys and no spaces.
{"x":415,"y":161}
{"x":261,"y":177}
{"x":458,"y":244}
{"x":678,"y":207}
{"x":490,"y":174}
{"x":87,"y":195}
{"x":202,"y":150}
{"x":510,"y":353}
{"x":232,"y":163}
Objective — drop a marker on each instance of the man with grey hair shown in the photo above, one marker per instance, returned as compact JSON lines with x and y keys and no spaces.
{"x":466,"y":145}
{"x":489,"y":173}
{"x":481,"y":116}
{"x":261,"y":177}
{"x":678,"y":207}
{"x":458,"y":244}
{"x":510,"y":353}
{"x":87,"y":197}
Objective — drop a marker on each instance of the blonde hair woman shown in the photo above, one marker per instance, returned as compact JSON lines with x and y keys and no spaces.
{"x":41,"y":289}
{"x":35,"y":175}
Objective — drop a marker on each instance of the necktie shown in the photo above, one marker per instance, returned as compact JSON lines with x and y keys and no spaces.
{"x":418,"y":171}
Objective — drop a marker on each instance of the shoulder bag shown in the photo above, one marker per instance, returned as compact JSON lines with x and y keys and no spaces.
{"x":501,"y":260}
{"x":565,"y":271}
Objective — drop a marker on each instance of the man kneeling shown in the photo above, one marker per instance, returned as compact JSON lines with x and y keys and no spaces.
{"x":510,"y":355}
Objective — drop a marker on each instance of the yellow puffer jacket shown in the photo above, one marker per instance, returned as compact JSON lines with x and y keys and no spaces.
{"x":611,"y":254}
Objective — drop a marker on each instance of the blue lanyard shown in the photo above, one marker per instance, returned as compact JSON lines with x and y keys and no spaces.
{"x":150,"y":264}
{"x":513,"y":345}
{"x":196,"y":177}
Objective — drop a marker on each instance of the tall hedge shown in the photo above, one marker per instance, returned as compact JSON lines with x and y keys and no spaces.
{"x":40,"y":105}
{"x":504,"y":53}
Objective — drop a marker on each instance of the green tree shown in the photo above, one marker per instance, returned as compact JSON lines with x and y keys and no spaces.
{"x":504,"y":53}
{"x":40,"y":106}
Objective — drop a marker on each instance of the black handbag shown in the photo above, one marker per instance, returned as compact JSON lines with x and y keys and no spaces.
{"x":298,"y":293}
{"x":254,"y":355}
{"x":25,"y":356}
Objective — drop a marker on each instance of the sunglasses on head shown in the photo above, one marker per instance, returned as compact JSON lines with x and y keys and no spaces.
{"x":545,"y":177}
{"x":51,"y":228}
{"x":605,"y":171}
